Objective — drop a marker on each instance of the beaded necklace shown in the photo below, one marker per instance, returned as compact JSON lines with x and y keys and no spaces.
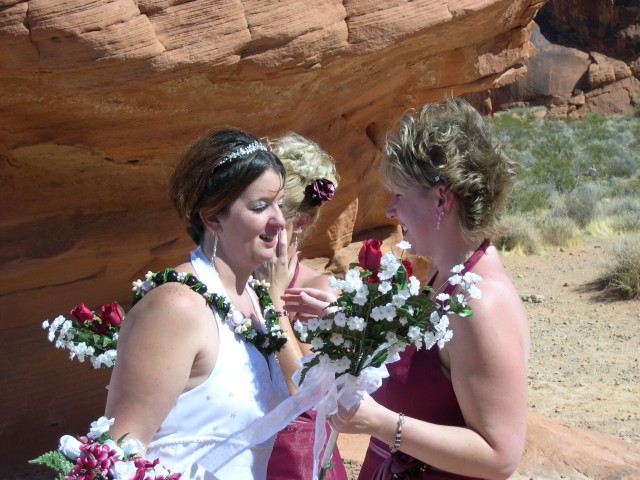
{"x":270,"y":342}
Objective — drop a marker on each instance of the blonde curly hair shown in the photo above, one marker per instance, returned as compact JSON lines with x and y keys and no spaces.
{"x":304,"y":162}
{"x":450,"y":143}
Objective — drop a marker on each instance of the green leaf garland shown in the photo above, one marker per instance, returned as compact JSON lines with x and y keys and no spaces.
{"x":270,"y":342}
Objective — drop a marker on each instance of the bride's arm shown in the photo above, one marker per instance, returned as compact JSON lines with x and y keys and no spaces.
{"x":279,"y":273}
{"x":158,"y":343}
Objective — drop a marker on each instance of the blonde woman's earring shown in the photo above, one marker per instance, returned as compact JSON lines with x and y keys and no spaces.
{"x":438,"y":221}
{"x":295,"y":244}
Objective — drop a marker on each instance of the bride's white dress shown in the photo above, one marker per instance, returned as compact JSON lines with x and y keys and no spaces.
{"x":242,"y":387}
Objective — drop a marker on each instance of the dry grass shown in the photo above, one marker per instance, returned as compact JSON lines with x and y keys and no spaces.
{"x":622,"y":279}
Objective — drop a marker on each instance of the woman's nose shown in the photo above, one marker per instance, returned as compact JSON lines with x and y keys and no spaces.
{"x":391,"y":208}
{"x":277,"y":220}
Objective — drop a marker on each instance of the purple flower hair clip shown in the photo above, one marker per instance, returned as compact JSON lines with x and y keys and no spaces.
{"x":319,"y":192}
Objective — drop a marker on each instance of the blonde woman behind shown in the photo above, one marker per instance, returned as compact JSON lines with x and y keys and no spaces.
{"x":311,"y":180}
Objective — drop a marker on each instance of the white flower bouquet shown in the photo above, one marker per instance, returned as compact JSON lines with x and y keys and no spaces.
{"x":382,"y":309}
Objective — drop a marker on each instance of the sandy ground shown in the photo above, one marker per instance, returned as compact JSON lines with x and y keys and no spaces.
{"x":584,"y":365}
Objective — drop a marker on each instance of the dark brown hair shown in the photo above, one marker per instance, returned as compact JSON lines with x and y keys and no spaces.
{"x":206,"y":177}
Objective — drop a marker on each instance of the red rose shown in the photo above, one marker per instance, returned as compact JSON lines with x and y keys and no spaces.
{"x":82,"y":313}
{"x":408,"y":266}
{"x":370,"y":254}
{"x":111,"y":314}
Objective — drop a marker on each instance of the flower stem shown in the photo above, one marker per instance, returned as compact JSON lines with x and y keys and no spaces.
{"x":325,"y":464}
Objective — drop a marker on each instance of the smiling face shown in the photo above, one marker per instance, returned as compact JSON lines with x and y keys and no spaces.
{"x":416,"y":210}
{"x":248,"y":231}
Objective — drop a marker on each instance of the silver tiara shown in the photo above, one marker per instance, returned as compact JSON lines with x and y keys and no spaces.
{"x":241,"y":152}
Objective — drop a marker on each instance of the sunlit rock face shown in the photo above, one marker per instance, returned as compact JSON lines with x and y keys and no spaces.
{"x":587,"y":60}
{"x":98,"y":100}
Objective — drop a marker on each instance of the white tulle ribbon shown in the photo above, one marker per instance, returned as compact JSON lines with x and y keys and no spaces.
{"x":320,"y":390}
{"x":346,"y":391}
{"x":266,"y":427}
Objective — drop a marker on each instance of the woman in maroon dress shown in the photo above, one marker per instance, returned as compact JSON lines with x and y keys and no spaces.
{"x":459,"y":412}
{"x":311,"y":180}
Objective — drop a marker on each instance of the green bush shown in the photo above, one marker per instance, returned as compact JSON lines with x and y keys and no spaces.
{"x":572,"y":174}
{"x":582,"y":203}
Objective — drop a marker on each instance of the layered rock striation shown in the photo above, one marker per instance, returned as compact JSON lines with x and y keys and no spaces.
{"x":98,"y":100}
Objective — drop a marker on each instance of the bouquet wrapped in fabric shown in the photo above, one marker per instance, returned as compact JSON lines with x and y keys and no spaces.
{"x":89,"y":334}
{"x":382,"y":309}
{"x":97,"y":456}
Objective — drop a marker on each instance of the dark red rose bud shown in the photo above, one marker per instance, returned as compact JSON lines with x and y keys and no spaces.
{"x":370,"y":254}
{"x":111,"y":314}
{"x":408,"y":266}
{"x":82,"y":313}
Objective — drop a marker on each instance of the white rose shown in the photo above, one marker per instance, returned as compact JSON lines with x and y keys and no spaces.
{"x":114,"y":446}
{"x":123,"y":470}
{"x":131,"y":447}
{"x":100,"y":427}
{"x":70,"y":447}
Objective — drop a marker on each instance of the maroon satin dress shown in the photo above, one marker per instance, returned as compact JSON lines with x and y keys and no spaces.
{"x":418,"y":387}
{"x":292,"y":456}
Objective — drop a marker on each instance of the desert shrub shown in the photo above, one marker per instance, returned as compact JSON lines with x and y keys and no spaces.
{"x":571,"y":168}
{"x":622,"y":279}
{"x":622,"y":213}
{"x":526,"y":197}
{"x":601,"y":227}
{"x":582,"y":203}
{"x":624,"y":186}
{"x":558,"y":231}
{"x":520,"y":236}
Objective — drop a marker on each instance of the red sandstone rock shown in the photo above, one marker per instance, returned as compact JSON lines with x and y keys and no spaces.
{"x":99,"y":98}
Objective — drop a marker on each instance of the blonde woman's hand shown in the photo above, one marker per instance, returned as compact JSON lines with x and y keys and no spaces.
{"x":308,"y":301}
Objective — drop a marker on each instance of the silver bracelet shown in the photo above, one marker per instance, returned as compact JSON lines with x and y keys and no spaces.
{"x":396,"y":445}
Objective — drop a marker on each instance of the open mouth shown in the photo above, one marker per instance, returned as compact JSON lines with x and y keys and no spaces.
{"x":267,"y":238}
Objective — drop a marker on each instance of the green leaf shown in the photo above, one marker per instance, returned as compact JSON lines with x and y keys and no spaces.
{"x":465,"y":312}
{"x":56,"y":461}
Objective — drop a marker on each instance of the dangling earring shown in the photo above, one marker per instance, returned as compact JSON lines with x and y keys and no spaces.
{"x":215,"y":249}
{"x":438,"y":221}
{"x":295,"y":243}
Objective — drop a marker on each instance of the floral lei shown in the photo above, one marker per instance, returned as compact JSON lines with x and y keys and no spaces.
{"x":270,"y":342}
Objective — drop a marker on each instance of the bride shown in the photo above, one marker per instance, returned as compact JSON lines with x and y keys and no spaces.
{"x":196,"y":356}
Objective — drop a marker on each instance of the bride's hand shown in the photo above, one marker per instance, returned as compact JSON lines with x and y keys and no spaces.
{"x":307,"y":301}
{"x":280,"y":269}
